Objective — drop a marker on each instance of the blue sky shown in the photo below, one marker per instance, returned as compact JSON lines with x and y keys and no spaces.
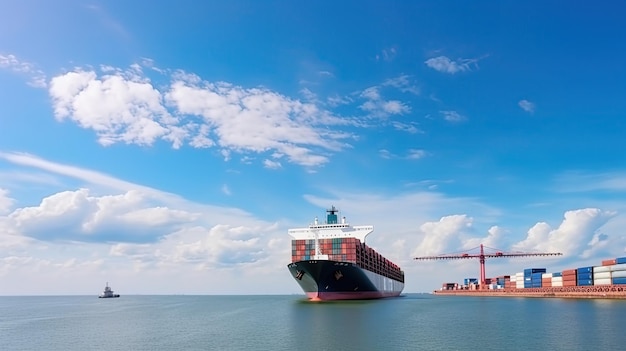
{"x":167,"y":149}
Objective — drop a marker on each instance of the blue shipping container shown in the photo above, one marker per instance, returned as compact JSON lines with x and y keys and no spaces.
{"x":530,"y":271}
{"x":617,"y":281}
{"x":584,"y":276}
{"x":584,"y":270}
{"x":557,"y":274}
{"x":620,"y":260}
{"x":584,"y":282}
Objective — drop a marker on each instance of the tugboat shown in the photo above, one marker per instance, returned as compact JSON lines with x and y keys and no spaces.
{"x":108,"y":293}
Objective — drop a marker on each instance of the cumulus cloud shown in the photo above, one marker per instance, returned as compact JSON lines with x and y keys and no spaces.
{"x":443,"y":236}
{"x":125,"y":106}
{"x":574,"y":235}
{"x":446,"y":65}
{"x":527,"y":106}
{"x":119,"y":109}
{"x":79,"y":215}
{"x":5,"y":201}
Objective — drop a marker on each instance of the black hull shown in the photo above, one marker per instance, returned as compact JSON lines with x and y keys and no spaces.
{"x":333,"y":280}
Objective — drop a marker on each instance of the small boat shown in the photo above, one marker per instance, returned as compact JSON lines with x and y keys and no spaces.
{"x":108,"y":293}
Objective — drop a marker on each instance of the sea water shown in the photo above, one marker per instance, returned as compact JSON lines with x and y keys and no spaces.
{"x":410,"y":322}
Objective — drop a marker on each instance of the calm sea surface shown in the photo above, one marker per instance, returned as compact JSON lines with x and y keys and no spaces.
{"x":412,"y":322}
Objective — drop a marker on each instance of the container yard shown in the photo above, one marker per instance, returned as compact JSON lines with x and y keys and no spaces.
{"x":607,"y":281}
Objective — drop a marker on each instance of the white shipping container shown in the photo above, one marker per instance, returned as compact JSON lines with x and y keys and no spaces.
{"x":618,"y":274}
{"x":618,"y":267}
{"x":599,"y":269}
{"x":602,"y":275}
{"x":558,"y":283}
{"x":557,"y":279}
{"x":603,"y":281}
{"x":546,"y":275}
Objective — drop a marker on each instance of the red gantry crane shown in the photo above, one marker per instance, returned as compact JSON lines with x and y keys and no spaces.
{"x":482,"y":256}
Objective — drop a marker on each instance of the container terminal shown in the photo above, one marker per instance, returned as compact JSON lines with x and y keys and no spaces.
{"x":605,"y":281}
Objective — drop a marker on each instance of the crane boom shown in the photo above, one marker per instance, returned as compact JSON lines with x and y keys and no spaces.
{"x":482,"y":256}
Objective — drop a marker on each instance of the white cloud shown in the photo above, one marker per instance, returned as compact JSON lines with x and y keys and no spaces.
{"x":403,"y":84}
{"x":416,"y":154}
{"x":387,"y":54}
{"x":379,"y":107}
{"x":272,"y":164}
{"x":79,"y":215}
{"x":118,"y":109}
{"x":124,"y":106}
{"x":410,"y":127}
{"x":36,"y":77}
{"x":446,"y":65}
{"x":527,"y":106}
{"x":443,"y":236}
{"x":574,"y":235}
{"x":5,"y":201}
{"x":453,"y":116}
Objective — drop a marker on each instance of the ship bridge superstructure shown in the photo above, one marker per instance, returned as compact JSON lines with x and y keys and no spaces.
{"x":331,"y":229}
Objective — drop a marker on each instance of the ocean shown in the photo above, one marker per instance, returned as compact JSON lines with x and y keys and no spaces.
{"x":290,"y":322}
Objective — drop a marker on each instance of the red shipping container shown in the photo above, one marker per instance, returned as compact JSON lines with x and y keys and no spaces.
{"x":609,"y":262}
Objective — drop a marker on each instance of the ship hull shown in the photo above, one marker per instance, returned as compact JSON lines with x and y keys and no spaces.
{"x":334,"y":280}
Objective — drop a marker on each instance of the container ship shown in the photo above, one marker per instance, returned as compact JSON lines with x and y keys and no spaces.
{"x":330,"y":261}
{"x":607,"y":281}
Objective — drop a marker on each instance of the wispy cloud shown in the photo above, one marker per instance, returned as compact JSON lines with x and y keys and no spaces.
{"x":387,"y":54}
{"x":36,"y":77}
{"x":271,"y":164}
{"x":379,"y":107}
{"x":527,"y":106}
{"x":410,"y":127}
{"x":446,"y":65}
{"x":403,"y":84}
{"x":411,"y":154}
{"x":452,"y":116}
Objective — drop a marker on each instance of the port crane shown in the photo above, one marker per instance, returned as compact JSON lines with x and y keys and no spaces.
{"x":482,"y":256}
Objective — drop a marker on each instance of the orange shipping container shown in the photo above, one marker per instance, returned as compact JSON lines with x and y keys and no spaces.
{"x":609,"y":262}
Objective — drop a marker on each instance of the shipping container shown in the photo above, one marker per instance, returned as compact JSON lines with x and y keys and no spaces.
{"x":609,"y":262}
{"x":619,"y":281}
{"x":601,"y":269}
{"x":618,"y":274}
{"x":584,"y":270}
{"x":568,"y":272}
{"x":620,"y":260}
{"x":618,"y":267}
{"x":602,"y":281}
{"x":602,"y":275}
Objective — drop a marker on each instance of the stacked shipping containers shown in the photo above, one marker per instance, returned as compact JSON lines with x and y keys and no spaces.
{"x":557,"y":279}
{"x":611,"y":272}
{"x":346,"y":250}
{"x":584,"y":276}
{"x":569,"y":277}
